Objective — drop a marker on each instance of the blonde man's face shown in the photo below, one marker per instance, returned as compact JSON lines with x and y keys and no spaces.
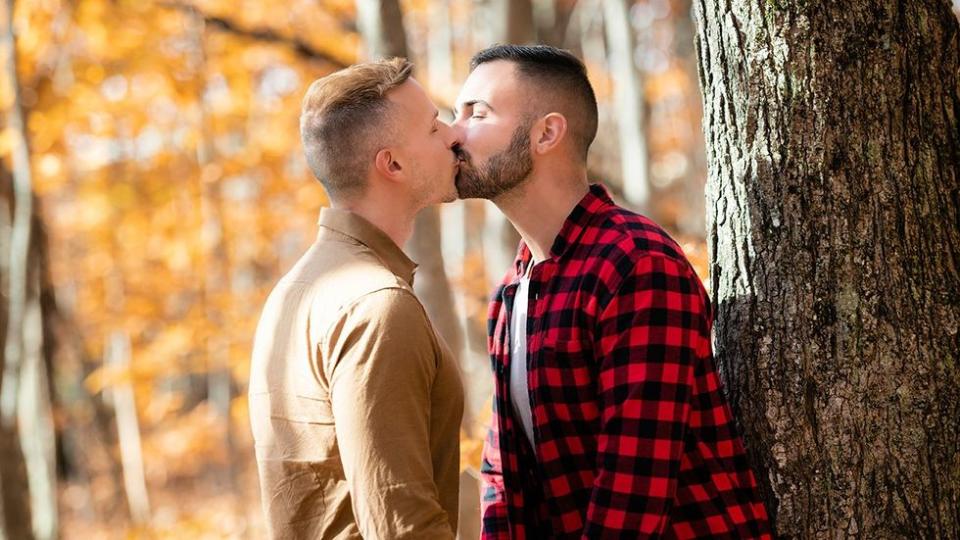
{"x":425,"y":144}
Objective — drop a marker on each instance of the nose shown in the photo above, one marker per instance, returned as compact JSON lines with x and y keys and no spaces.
{"x":451,"y":136}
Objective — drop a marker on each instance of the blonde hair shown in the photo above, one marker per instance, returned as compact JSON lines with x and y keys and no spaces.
{"x":344,"y":121}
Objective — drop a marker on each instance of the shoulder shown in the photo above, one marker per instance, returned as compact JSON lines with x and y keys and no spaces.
{"x":631,"y":235}
{"x":339,"y":274}
{"x":631,"y":248}
{"x":389,"y":305}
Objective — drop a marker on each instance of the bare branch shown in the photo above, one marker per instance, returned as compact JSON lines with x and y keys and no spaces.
{"x":301,"y":47}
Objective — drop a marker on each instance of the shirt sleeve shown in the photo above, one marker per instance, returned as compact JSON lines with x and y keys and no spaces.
{"x":649,"y":337}
{"x":384,"y":364}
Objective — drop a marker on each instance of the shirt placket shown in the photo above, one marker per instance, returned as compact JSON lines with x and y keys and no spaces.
{"x":507,"y":296}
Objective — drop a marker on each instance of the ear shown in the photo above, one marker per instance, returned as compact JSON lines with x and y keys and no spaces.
{"x":387,"y":165}
{"x":550,"y":131}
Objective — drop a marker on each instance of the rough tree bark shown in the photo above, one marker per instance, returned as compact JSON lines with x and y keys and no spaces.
{"x":834,"y":152}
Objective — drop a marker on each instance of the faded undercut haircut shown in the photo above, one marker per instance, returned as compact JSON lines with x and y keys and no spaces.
{"x":344,"y":121}
{"x":559,"y":79}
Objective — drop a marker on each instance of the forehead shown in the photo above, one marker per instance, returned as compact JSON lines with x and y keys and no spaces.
{"x":495,"y":82}
{"x":410,"y":99}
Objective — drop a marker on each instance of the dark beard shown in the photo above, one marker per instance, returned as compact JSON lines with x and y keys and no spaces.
{"x":501,"y":173}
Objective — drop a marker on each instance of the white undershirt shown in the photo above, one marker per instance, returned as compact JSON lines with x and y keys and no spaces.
{"x":519,"y":395}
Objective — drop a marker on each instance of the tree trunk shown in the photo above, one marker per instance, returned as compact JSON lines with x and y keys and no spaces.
{"x":693,"y":219}
{"x":517,"y":17}
{"x":35,"y":416}
{"x":28,"y":476}
{"x":629,"y":103}
{"x":19,"y":232}
{"x":15,"y":519}
{"x":381,"y":26}
{"x":117,"y":355}
{"x":439,"y":47}
{"x":834,"y":153}
{"x":513,"y":23}
{"x":217,"y":282}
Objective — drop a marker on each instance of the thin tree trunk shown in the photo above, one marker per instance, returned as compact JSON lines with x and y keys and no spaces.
{"x":35,"y":419}
{"x":117,"y":356}
{"x":29,"y":503}
{"x":216,"y":267}
{"x":381,"y":26}
{"x":17,"y":520}
{"x":629,"y":103}
{"x":834,"y":153}
{"x":20,"y":233}
{"x":14,"y":490}
{"x":513,"y":23}
{"x":552,"y":19}
{"x":693,"y":219}
{"x":431,"y":284}
{"x":518,"y":16}
{"x":439,"y":46}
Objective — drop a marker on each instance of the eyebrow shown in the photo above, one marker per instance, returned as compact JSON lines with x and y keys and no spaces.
{"x":471,"y":103}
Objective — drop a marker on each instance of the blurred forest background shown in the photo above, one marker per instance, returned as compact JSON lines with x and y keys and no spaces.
{"x":155,"y":190}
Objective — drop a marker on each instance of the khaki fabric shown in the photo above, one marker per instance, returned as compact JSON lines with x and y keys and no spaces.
{"x":355,"y":401}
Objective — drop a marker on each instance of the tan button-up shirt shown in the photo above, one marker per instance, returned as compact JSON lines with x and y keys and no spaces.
{"x":355,"y":401}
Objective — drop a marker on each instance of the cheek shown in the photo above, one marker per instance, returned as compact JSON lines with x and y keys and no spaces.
{"x":480,"y":140}
{"x":485,"y":139}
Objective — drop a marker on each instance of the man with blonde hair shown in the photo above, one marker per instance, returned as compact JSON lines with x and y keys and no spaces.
{"x":355,"y":402}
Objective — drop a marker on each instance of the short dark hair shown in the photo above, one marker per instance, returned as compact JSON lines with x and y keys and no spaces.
{"x":555,"y":71}
{"x":343,"y":121}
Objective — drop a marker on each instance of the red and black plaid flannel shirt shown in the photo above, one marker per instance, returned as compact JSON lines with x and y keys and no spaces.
{"x":633,"y":435}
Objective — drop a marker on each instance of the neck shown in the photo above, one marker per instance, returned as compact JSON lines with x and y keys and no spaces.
{"x":539,"y":207}
{"x":386,"y":213}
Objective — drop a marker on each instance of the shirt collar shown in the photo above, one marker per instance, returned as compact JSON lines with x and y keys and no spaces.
{"x":572,"y":228}
{"x":368,"y":234}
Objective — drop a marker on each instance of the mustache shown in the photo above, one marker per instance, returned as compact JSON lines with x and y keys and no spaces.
{"x":461,"y":154}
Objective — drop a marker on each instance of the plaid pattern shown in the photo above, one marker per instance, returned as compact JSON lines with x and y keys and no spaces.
{"x":633,"y":435}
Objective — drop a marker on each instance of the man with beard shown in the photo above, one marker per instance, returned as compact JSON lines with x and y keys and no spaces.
{"x":609,"y":421}
{"x":355,"y":402}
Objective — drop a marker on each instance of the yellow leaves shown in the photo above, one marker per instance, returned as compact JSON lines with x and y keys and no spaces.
{"x":670,"y":82}
{"x":696,"y":251}
{"x":471,"y":450}
{"x":9,"y":139}
{"x":49,"y":175}
{"x":95,"y":211}
{"x":159,"y":358}
{"x":94,"y":73}
{"x":107,"y":376}
{"x":311,"y":195}
{"x":177,"y":255}
{"x":171,"y":344}
{"x":240,"y":411}
{"x":171,"y":450}
{"x":6,"y":90}
{"x":472,"y":438}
